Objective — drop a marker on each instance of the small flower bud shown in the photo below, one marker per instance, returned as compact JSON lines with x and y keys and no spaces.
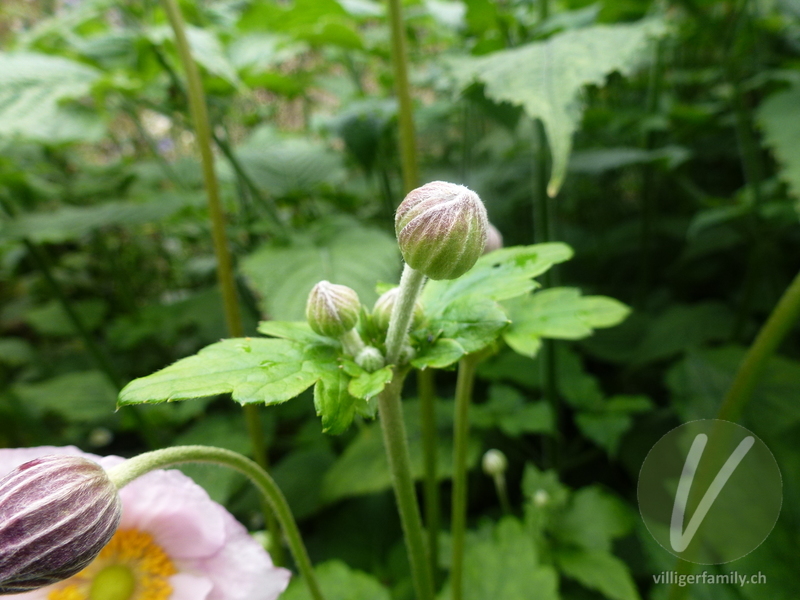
{"x":441,"y":229}
{"x":494,"y":239}
{"x":541,"y":498}
{"x":494,"y":463}
{"x":370,"y":359}
{"x":332,"y":310}
{"x":56,"y":514}
{"x":407,"y":354}
{"x":382,"y":311}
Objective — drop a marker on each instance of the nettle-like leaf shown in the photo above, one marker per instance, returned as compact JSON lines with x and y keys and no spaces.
{"x":33,"y":90}
{"x":207,"y":50}
{"x":560,"y":313}
{"x":546,"y":78}
{"x":777,"y":116}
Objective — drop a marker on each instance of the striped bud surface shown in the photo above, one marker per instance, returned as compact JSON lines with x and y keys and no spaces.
{"x":382,"y":311}
{"x":56,"y":514}
{"x":332,"y":310}
{"x":441,"y":229}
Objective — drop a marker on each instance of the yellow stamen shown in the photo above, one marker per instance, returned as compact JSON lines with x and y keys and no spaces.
{"x":134,"y":551}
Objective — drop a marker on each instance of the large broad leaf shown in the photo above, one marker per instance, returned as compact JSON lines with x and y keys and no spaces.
{"x":340,"y":582}
{"x":546,"y":78}
{"x":560,"y":313}
{"x":344,"y":253}
{"x":32,"y":89}
{"x":251,"y":370}
{"x":207,"y":50}
{"x":777,"y":116}
{"x":598,"y":570}
{"x":71,"y":223}
{"x":499,"y":275}
{"x":81,"y":397}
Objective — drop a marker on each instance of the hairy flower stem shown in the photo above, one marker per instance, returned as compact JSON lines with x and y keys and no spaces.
{"x":410,"y":285}
{"x":227,"y":284}
{"x":352,"y":342}
{"x":135,"y":467}
{"x":396,"y":443}
{"x":464,"y":386}
{"x":426,"y":390}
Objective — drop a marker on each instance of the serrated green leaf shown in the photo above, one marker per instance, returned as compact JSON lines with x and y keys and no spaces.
{"x":340,"y":582}
{"x":206,"y":48}
{"x":251,"y":370}
{"x":333,"y":401}
{"x":777,"y":117}
{"x":599,"y":571}
{"x":546,"y":78}
{"x":611,"y":420}
{"x":593,"y":519}
{"x":298,"y":331}
{"x":442,"y":353}
{"x":368,"y":385}
{"x":508,"y":410}
{"x":472,"y":322}
{"x":344,"y":253}
{"x":560,"y":313}
{"x":32,"y":89}
{"x":498,"y":275}
{"x":81,"y":397}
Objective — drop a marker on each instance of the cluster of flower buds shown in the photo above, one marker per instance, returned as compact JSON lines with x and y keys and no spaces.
{"x":56,"y":514}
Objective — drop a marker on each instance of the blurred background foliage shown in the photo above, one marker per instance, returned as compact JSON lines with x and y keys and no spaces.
{"x":673,"y":133}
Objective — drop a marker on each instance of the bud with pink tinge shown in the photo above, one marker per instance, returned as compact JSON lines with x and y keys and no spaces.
{"x":332,"y":310}
{"x":494,"y":239}
{"x":382,"y":311}
{"x":56,"y":514}
{"x":441,"y":229}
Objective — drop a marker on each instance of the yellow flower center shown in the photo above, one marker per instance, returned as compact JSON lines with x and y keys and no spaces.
{"x":131,"y":567}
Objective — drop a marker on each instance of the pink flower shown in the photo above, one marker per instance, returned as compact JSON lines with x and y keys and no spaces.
{"x":173,"y":543}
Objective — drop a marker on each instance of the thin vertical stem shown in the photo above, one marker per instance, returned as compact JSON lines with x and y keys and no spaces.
{"x":464,"y":386}
{"x":408,"y":144}
{"x":396,"y":443}
{"x":402,"y":312}
{"x":227,"y":284}
{"x":426,"y":387}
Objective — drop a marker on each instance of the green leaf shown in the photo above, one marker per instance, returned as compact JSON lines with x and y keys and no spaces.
{"x":251,"y":370}
{"x":340,"y":582}
{"x":508,"y":410}
{"x":207,"y":50}
{"x":777,"y":117}
{"x":52,"y":319}
{"x":593,"y":519}
{"x":32,"y":89}
{"x":368,"y":385}
{"x":606,"y":426}
{"x":70,"y":223}
{"x":560,"y":313}
{"x":343,"y":252}
{"x":598,"y":161}
{"x":442,"y":353}
{"x":298,"y":475}
{"x":503,"y":563}
{"x":547,"y":77}
{"x":333,"y":401}
{"x":598,"y":571}
{"x":499,"y":275}
{"x":82,"y":397}
{"x":297,"y":331}
{"x":473,"y":323}
{"x":15,"y":352}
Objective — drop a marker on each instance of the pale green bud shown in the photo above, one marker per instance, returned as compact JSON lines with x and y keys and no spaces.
{"x":441,"y":229}
{"x":370,"y":359}
{"x":494,"y":463}
{"x":541,"y":498}
{"x":332,"y":310}
{"x":382,"y":311}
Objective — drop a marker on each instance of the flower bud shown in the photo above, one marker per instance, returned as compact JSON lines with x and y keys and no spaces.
{"x":332,"y":310}
{"x":56,"y":514}
{"x":441,"y":229}
{"x":370,"y":359}
{"x":494,"y":239}
{"x":382,"y":311}
{"x":541,"y":498}
{"x":494,"y":463}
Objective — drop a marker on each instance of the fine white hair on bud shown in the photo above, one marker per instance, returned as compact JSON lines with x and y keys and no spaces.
{"x":494,"y":463}
{"x":332,"y":310}
{"x":494,"y":239}
{"x":441,"y":229}
{"x":382,"y":311}
{"x":370,"y":359}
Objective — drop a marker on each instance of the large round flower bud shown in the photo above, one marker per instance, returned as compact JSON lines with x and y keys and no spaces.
{"x":382,"y":311}
{"x":441,"y":228}
{"x":56,"y":514}
{"x":332,"y":310}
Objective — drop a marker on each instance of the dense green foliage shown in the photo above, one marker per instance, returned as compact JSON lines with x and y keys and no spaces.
{"x":666,"y":167}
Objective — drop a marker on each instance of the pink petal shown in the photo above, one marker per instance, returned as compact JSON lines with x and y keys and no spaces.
{"x":186,"y":586}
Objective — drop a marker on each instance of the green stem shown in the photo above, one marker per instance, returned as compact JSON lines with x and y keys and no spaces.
{"x":408,"y":144}
{"x":227,"y":284}
{"x":464,"y":386}
{"x":135,"y":467}
{"x":410,"y":285}
{"x":502,"y":492}
{"x":778,"y":325}
{"x":352,"y":343}
{"x":426,"y":389}
{"x":396,"y":443}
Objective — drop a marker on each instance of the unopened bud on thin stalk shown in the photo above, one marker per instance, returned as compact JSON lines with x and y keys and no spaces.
{"x":332,"y":310}
{"x":494,"y":463}
{"x":441,"y":229}
{"x":56,"y":514}
{"x":382,"y":311}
